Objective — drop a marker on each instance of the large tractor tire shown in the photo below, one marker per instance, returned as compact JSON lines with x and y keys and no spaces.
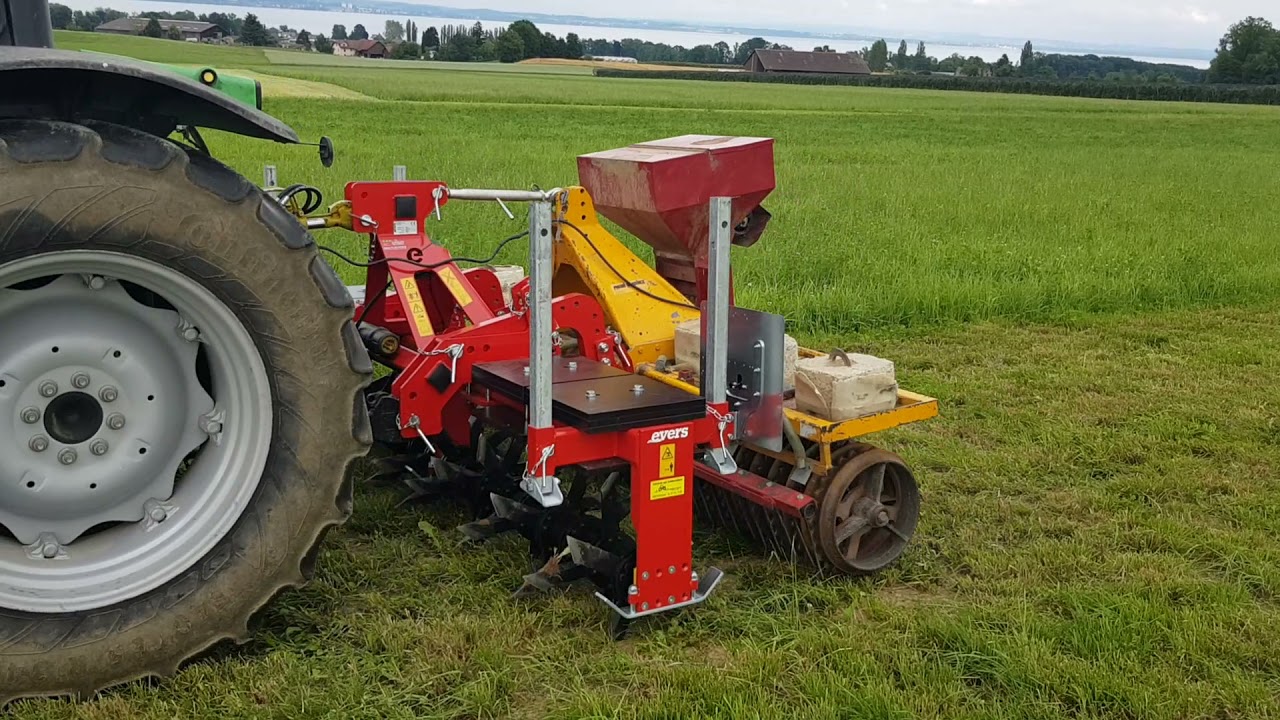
{"x":180,"y":405}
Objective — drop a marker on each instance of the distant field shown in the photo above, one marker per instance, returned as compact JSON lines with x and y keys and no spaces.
{"x":1091,"y":288}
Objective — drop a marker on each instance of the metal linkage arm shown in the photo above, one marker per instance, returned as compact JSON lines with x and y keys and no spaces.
{"x":538,"y":482}
{"x":716,"y":331}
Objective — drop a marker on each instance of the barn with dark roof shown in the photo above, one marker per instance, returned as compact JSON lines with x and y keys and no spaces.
{"x":797,"y":61}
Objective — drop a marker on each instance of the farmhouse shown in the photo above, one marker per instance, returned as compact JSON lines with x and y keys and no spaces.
{"x":360,"y":48}
{"x":796,"y":61}
{"x":191,"y":30}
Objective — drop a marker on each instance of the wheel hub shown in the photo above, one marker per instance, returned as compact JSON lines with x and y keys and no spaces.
{"x":135,"y":421}
{"x":73,"y":418}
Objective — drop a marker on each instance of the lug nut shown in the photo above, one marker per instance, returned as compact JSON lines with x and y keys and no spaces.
{"x":109,"y":394}
{"x":49,"y":550}
{"x":67,"y":457}
{"x":48,"y":388}
{"x":97,"y":282}
{"x":115,"y":421}
{"x":190,"y":334}
{"x":210,"y":427}
{"x":30,"y":416}
{"x":80,"y":381}
{"x":99,"y":447}
{"x":39,"y":443}
{"x":157,"y":514}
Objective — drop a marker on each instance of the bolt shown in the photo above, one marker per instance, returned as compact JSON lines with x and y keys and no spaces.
{"x":30,"y":416}
{"x":694,"y":577}
{"x":97,"y":282}
{"x":882,"y":518}
{"x":39,"y":443}
{"x":671,"y":599}
{"x":671,"y":570}
{"x":768,"y":484}
{"x":48,"y":388}
{"x":526,"y":369}
{"x":573,"y":364}
{"x":603,"y":347}
{"x":115,"y":421}
{"x":108,"y":394}
{"x":592,"y":394}
{"x":190,"y":334}
{"x":157,"y":513}
{"x":67,"y":457}
{"x":49,"y":550}
{"x":633,"y":590}
{"x":213,"y":427}
{"x":799,"y":496}
{"x":80,"y":381}
{"x":644,"y":606}
{"x":637,"y":388}
{"x":99,"y":447}
{"x":644,"y":575}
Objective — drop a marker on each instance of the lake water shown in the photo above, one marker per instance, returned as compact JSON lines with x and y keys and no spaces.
{"x":317,"y":21}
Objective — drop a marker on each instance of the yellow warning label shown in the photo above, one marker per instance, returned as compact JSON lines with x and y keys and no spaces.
{"x":668,"y":461}
{"x":417,"y":310}
{"x":455,"y":286}
{"x":663,"y":489}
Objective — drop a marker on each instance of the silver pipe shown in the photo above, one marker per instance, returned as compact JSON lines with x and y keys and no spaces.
{"x":717,"y":326}
{"x":316,"y":224}
{"x":540,"y":249}
{"x":532,"y":196}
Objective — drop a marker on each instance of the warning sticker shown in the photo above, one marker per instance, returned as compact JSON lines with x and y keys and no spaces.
{"x":455,"y":286}
{"x":663,"y":489}
{"x":417,"y":310}
{"x":406,"y":227}
{"x":667,"y":460}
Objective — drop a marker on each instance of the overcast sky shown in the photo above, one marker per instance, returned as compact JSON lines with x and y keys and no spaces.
{"x":1194,"y":24}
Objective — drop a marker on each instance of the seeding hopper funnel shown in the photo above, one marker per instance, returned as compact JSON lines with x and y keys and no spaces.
{"x":659,"y":192}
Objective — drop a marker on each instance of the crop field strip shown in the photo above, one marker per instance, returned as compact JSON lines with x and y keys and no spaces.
{"x":1092,"y":289}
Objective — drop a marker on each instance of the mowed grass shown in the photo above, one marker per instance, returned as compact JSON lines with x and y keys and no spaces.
{"x":1089,"y":288}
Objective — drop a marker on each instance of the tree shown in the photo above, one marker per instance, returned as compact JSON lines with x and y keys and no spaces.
{"x":339,"y":32}
{"x":878,"y":56}
{"x":1248,"y":53}
{"x":173,"y":33}
{"x":393,"y":31}
{"x":254,"y":33}
{"x":510,"y":47}
{"x":358,"y":33}
{"x":324,"y":45}
{"x":153,"y":29}
{"x":1028,"y":61}
{"x":229,"y":23}
{"x":920,"y":61}
{"x":744,"y":51}
{"x":60,"y":15}
{"x":573,"y":44}
{"x":431,"y":38}
{"x":477,"y":32}
{"x":460,"y":47}
{"x":530,"y":37}
{"x":411,"y":31}
{"x":824,"y":49}
{"x":1004,"y":67}
{"x":407,"y":51}
{"x":304,"y":39}
{"x":900,"y":60}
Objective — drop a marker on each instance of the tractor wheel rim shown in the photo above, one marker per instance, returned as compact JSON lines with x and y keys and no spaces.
{"x":135,"y":424}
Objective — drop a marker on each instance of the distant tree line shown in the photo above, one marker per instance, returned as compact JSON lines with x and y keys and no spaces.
{"x":1181,"y":92}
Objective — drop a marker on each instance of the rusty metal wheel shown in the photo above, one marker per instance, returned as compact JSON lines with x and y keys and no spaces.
{"x":868,"y":513}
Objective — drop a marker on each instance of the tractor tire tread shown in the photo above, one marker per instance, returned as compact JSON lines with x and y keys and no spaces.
{"x":298,"y":321}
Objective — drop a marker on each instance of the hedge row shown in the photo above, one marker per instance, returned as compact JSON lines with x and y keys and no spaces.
{"x":1240,"y":94}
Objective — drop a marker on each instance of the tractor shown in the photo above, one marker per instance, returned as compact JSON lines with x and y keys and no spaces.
{"x":186,"y":385}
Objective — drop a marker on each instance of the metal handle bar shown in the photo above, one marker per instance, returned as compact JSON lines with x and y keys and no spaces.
{"x":501,"y":195}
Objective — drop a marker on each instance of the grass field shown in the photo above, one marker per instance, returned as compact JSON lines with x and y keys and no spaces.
{"x":1091,"y":288}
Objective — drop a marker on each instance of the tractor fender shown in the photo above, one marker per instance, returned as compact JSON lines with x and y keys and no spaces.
{"x":41,"y":83}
